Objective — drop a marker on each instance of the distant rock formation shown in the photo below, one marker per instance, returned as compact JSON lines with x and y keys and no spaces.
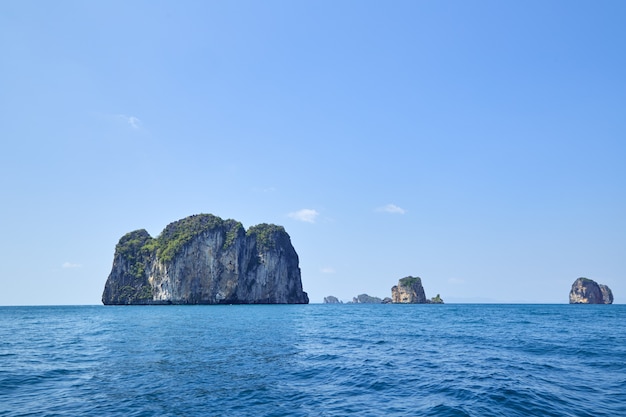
{"x":436,"y":300}
{"x":409,"y":291}
{"x":587,"y":291}
{"x":332,"y":300}
{"x":203,"y":259}
{"x":366,"y":299}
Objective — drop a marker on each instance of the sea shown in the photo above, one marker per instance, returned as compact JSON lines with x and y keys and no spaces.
{"x":314,"y":360}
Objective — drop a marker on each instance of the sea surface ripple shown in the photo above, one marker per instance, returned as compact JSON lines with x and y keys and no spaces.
{"x":314,"y":360}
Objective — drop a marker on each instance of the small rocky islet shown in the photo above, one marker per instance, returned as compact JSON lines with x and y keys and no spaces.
{"x":587,"y":291}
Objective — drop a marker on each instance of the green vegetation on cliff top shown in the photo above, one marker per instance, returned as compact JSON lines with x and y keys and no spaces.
{"x":131,"y":244}
{"x":179,"y":233}
{"x":134,"y":246}
{"x":264,"y":234}
{"x":409,"y":281}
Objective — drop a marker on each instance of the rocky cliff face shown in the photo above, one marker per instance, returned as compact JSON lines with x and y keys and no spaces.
{"x":366,"y":299}
{"x":409,"y":291}
{"x":587,"y":291}
{"x":203,"y":259}
{"x":607,"y":294}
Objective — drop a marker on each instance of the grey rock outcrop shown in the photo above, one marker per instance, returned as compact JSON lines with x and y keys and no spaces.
{"x":409,"y":291}
{"x":587,"y":291}
{"x":203,"y":259}
{"x":607,"y":294}
{"x":366,"y":299}
{"x":331,"y":299}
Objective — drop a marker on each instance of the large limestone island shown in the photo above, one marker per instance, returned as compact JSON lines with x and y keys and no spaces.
{"x":587,"y":291}
{"x":203,"y":259}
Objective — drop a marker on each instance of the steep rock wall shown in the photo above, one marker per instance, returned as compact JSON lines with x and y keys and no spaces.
{"x":409,"y":291}
{"x":203,"y":259}
{"x":587,"y":291}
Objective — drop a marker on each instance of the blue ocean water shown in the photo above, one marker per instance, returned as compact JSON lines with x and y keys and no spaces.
{"x":314,"y":360}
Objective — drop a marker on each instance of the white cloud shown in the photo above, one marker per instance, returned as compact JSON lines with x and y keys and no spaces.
{"x":67,"y":265}
{"x":392,"y":208}
{"x":304,"y":215}
{"x":327,"y":270}
{"x":133,"y":121}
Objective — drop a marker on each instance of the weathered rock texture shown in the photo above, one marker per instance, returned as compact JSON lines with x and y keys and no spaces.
{"x":607,"y":294}
{"x":331,"y":299}
{"x":409,"y":291}
{"x":366,"y":299}
{"x":587,"y":291}
{"x":203,"y":259}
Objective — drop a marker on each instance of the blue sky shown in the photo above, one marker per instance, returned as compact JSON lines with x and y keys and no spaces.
{"x":478,"y":145}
